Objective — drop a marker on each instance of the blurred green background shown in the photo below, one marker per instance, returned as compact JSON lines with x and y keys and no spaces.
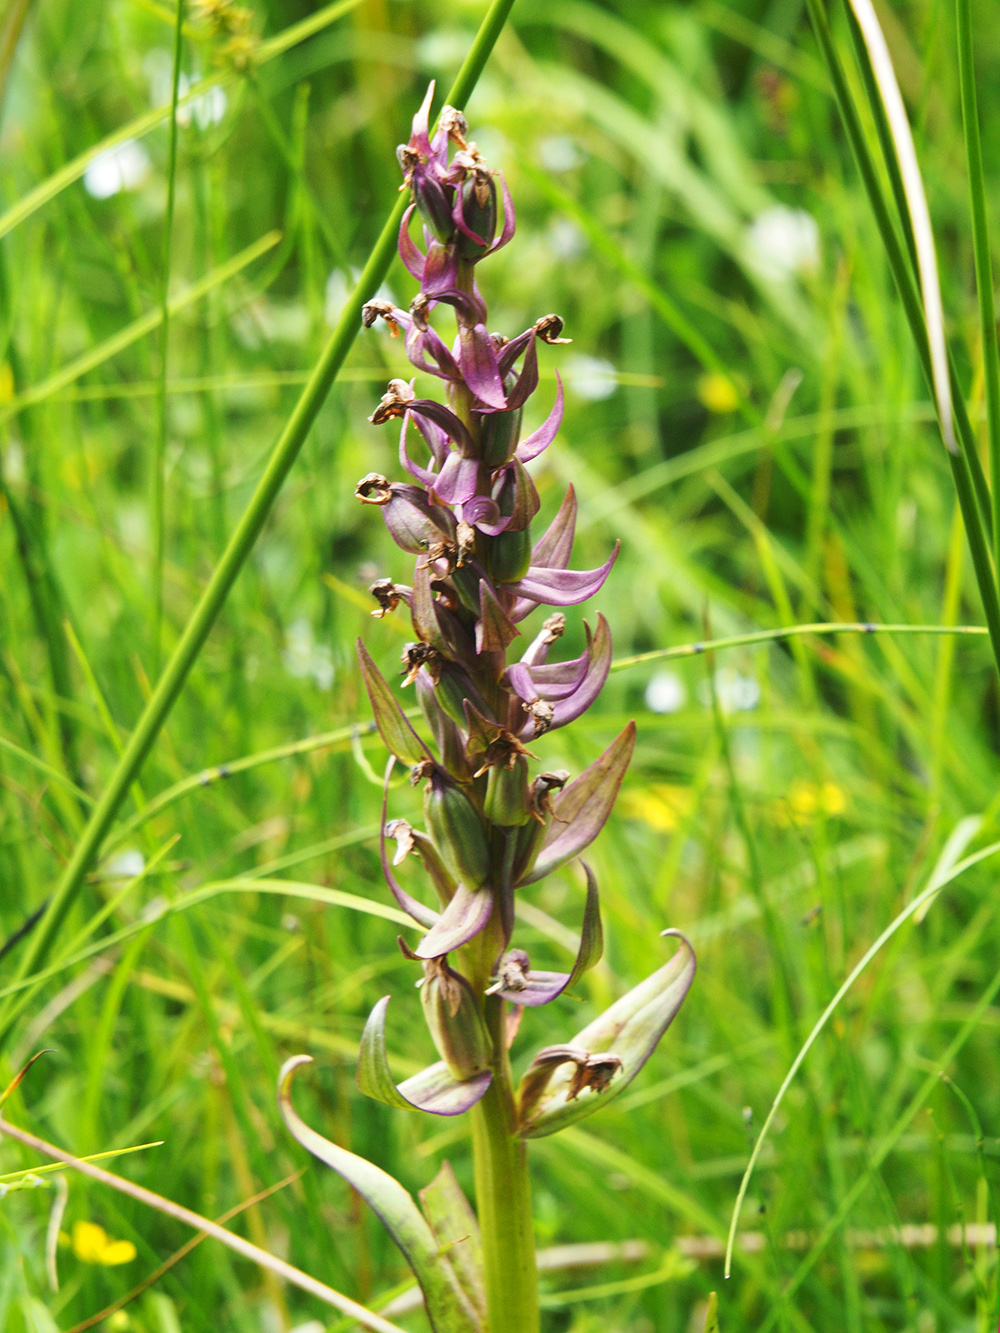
{"x":744,"y":410}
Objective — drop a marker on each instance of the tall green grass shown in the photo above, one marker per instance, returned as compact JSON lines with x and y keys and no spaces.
{"x":764,"y":443}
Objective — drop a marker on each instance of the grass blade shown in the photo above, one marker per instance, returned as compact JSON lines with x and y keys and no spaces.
{"x":937,"y":883}
{"x":269,"y":1262}
{"x":981,"y":251}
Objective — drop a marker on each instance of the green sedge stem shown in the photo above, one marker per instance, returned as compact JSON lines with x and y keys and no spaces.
{"x":981,"y":250}
{"x":247,"y":530}
{"x":973,"y":494}
{"x":503,"y":1197}
{"x":160,"y":449}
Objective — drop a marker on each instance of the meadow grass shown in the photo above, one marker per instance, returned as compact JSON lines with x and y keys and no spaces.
{"x":746,"y":410}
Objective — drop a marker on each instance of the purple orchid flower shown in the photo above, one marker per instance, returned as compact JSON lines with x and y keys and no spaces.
{"x":467,"y":513}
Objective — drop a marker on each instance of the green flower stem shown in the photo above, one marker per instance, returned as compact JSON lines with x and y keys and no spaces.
{"x":503,"y":1197}
{"x":241,"y":543}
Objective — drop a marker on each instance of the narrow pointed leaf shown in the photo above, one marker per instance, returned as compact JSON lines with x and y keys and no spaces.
{"x":374,"y":1077}
{"x":434,"y":1089}
{"x":582,"y":808}
{"x":457,"y":1230}
{"x":425,"y":916}
{"x":447,"y":1306}
{"x":541,"y":987}
{"x":399,"y":737}
{"x":629,"y":1030}
{"x":464,"y":917}
{"x":495,"y":629}
{"x":592,"y":931}
{"x":422,"y":612}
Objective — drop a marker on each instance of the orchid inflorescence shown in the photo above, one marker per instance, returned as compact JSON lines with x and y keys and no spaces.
{"x":492,"y":827}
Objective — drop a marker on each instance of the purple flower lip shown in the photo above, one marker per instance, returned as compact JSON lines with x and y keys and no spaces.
{"x":557,"y":586}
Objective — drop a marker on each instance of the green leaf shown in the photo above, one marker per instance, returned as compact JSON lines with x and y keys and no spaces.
{"x":435,"y":1089}
{"x":448,"y":1308}
{"x":400,"y":738}
{"x":591,"y":933}
{"x":712,"y":1314}
{"x":457,"y":1230}
{"x":550,"y":1097}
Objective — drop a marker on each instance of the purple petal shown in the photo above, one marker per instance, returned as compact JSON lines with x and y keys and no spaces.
{"x":569,"y":708}
{"x":420,"y":342}
{"x":434,"y":437}
{"x":464,"y":917}
{"x":520,"y":681}
{"x":509,"y":221}
{"x":440,"y":269}
{"x":444,"y":417}
{"x":469,"y":306}
{"x":555,"y":546}
{"x":426,"y":916}
{"x":539,"y":440}
{"x":413,"y":260}
{"x":477,"y":358}
{"x":510,"y":351}
{"x":483,"y":513}
{"x":419,"y":136}
{"x":458,"y":479}
{"x":415,"y":470}
{"x":561,"y":587}
{"x":527,"y":381}
{"x":542,"y":987}
{"x":582,"y":808}
{"x":438,"y":1091}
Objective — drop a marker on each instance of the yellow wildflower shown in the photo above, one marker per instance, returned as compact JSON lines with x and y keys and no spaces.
{"x":93,"y":1245}
{"x":718,"y":393}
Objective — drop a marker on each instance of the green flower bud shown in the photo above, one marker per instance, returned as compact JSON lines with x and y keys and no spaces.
{"x":458,"y":832}
{"x":509,"y":556}
{"x":455,"y":1020}
{"x":508,"y":801}
{"x":498,"y":435}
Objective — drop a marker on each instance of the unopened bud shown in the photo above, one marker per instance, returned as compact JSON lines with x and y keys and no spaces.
{"x":458,"y":832}
{"x":531,"y":836}
{"x":432,"y":202}
{"x":498,"y":437}
{"x":508,"y":801}
{"x":455,"y":1020}
{"x":478,"y":203}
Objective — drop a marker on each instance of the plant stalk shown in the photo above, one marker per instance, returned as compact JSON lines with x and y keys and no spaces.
{"x":503,"y":1197}
{"x":186,"y":652}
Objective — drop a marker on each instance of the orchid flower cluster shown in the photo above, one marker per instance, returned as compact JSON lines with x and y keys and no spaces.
{"x":493,"y":826}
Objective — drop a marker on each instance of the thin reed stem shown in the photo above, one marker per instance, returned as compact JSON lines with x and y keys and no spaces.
{"x":981,"y":250}
{"x":157,"y":499}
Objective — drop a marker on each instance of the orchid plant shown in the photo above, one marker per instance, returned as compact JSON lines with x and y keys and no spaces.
{"x":492,"y":827}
